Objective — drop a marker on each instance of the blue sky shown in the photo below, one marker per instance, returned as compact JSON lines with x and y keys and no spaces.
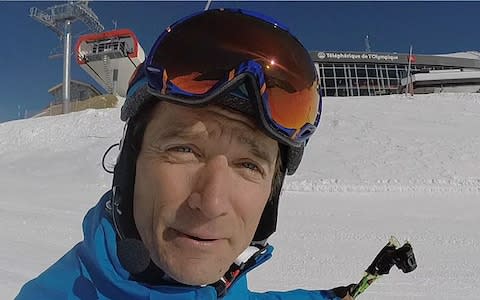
{"x":431,"y":27}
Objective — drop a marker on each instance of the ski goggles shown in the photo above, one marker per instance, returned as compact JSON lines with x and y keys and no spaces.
{"x":232,"y":51}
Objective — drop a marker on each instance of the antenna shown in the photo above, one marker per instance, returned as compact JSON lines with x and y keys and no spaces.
{"x":367,"y":44}
{"x":59,"y":19}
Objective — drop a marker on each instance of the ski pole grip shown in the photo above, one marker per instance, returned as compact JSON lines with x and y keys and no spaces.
{"x":383,"y":262}
{"x":405,"y":259}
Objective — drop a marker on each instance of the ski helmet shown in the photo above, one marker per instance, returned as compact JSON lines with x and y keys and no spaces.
{"x":233,"y":58}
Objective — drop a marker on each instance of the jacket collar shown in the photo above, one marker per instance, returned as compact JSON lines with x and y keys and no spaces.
{"x":100,"y":254}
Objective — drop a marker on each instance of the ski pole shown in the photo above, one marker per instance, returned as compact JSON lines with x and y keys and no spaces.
{"x":391,"y":254}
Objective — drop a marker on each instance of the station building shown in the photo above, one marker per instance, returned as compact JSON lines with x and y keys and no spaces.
{"x":369,"y":74}
{"x":78,"y":91}
{"x":111,"y":58}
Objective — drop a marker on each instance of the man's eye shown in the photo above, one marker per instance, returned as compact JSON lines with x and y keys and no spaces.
{"x":251,"y":166}
{"x":183,"y":149}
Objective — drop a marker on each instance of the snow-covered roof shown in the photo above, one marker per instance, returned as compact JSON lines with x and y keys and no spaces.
{"x":467,"y":54}
{"x":447,"y":75}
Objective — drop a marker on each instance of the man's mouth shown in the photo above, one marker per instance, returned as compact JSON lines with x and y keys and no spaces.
{"x":200,"y":239}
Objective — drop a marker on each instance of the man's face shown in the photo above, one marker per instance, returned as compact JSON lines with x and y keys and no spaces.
{"x":203,"y":177}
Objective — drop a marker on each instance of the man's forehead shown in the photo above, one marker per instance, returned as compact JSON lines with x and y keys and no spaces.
{"x":173,"y":115}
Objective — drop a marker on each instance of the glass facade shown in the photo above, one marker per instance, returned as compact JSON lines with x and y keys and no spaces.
{"x":365,"y":79}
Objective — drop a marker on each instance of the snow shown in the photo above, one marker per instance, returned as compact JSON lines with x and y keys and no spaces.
{"x":471,"y":76}
{"x":378,"y":166}
{"x":467,"y":54}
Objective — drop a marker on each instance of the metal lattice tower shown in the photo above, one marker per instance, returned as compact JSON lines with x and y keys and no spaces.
{"x":59,"y":19}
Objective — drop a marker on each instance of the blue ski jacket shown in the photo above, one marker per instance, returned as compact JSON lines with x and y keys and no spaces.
{"x":92,"y":270}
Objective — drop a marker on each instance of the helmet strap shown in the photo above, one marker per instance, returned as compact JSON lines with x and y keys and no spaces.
{"x":243,"y":263}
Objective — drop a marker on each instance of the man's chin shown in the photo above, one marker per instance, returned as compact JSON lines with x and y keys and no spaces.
{"x":196,"y":277}
{"x":199,"y":271}
{"x":195,"y":281}
{"x":193,"y":262}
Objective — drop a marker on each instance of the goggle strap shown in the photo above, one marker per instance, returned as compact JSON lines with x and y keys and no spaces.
{"x":263,"y":88}
{"x":231,"y":74}
{"x":164,"y":82}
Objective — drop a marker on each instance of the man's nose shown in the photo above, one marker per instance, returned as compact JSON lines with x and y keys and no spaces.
{"x":212,"y":190}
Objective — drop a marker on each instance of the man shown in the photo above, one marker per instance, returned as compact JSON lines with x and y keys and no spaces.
{"x":216,"y":116}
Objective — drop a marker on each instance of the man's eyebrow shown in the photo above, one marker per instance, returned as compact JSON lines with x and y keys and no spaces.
{"x":256,"y":148}
{"x":178,"y":129}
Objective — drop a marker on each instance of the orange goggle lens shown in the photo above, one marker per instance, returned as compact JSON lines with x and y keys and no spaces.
{"x":293,"y":110}
{"x":289,"y":109}
{"x":190,"y":83}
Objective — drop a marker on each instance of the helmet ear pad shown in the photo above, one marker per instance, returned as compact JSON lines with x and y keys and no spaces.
{"x":123,"y":188}
{"x":292,"y":158}
{"x":268,"y":221}
{"x":125,"y":172}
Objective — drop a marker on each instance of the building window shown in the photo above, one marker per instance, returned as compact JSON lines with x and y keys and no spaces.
{"x":328,"y":72}
{"x":339,"y":72}
{"x":364,"y":92}
{"x":342,"y":92}
{"x":372,"y":73}
{"x":341,"y":82}
{"x":392,"y":73}
{"x":361,"y":72}
{"x":393,"y":83}
{"x":330,"y":92}
{"x":323,"y":77}
{"x":329,"y":82}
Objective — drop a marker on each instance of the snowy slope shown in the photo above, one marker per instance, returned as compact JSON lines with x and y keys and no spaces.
{"x":377,"y":166}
